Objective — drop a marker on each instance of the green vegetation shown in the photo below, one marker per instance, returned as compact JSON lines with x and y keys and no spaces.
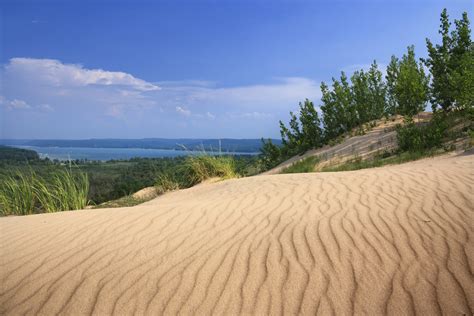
{"x":65,"y":191}
{"x":304,"y":165}
{"x":196,"y":169}
{"x":407,"y":84}
{"x":17,"y":196}
{"x":444,"y":128}
{"x":8,"y":154}
{"x":350,"y":104}
{"x":451,"y":65}
{"x":23,"y":194}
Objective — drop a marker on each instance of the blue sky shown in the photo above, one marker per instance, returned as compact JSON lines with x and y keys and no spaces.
{"x":133,"y":69}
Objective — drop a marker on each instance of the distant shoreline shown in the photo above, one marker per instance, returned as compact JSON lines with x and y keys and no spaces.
{"x":180,"y":144}
{"x":106,"y":154}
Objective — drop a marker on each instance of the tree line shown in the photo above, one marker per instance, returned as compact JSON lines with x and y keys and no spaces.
{"x":366,"y":96}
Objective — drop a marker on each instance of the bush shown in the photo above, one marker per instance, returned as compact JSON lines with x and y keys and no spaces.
{"x":413,"y":137}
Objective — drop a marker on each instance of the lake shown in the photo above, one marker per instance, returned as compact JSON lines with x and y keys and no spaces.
{"x":73,"y":153}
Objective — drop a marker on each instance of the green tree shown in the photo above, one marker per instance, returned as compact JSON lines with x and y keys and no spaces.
{"x":270,"y":154}
{"x":328,"y":110}
{"x":310,"y":125}
{"x":451,"y":65}
{"x":408,"y":84}
{"x":339,"y":114}
{"x":291,"y":137}
{"x":391,"y":79}
{"x":377,"y":92}
{"x":368,"y":94}
{"x":361,"y":95}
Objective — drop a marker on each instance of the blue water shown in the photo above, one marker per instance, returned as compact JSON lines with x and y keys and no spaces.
{"x":72,"y":153}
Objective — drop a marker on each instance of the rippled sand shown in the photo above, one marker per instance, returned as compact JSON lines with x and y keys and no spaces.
{"x":393,"y":240}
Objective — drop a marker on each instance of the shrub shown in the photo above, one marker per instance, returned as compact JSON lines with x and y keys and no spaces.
{"x":413,"y":137}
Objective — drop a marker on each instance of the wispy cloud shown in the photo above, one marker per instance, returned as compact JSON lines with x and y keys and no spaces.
{"x":183,"y":111}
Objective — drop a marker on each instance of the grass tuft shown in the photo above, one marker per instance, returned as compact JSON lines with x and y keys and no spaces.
{"x":67,"y":191}
{"x":304,"y":165}
{"x":22,"y":194}
{"x":17,"y":196}
{"x":194,"y":170}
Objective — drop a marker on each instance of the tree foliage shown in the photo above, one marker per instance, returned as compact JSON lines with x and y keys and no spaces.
{"x":408,"y":84}
{"x":451,"y":65}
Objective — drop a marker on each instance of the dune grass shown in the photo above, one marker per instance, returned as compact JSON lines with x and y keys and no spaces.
{"x":66,"y":191}
{"x":23,"y":194}
{"x":195,"y":169}
{"x":167,"y":182}
{"x":203,"y":167}
{"x":304,"y":165}
{"x":17,"y":196}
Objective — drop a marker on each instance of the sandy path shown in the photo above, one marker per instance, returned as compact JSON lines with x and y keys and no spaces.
{"x":394,"y":240}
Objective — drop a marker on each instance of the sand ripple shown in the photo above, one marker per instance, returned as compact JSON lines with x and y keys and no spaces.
{"x":395,"y":240}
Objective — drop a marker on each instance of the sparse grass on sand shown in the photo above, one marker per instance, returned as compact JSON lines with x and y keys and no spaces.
{"x":125,"y":201}
{"x":304,"y":165}
{"x":379,"y":161}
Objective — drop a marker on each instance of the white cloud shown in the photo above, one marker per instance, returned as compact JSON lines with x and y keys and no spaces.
{"x":19,"y":104}
{"x":183,"y":111}
{"x":15,"y":104}
{"x":55,"y":73}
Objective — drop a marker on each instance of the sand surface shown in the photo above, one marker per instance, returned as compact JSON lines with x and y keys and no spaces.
{"x":395,"y":240}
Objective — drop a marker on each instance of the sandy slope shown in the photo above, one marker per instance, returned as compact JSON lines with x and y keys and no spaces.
{"x":394,"y":240}
{"x":381,"y":138}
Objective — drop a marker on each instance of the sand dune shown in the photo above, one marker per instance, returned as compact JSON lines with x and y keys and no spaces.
{"x":395,"y":240}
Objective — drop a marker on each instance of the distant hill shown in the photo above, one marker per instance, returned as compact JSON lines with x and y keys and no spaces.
{"x":17,"y":154}
{"x":225,"y":145}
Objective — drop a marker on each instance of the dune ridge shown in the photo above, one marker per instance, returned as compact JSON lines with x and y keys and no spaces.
{"x":394,"y":240}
